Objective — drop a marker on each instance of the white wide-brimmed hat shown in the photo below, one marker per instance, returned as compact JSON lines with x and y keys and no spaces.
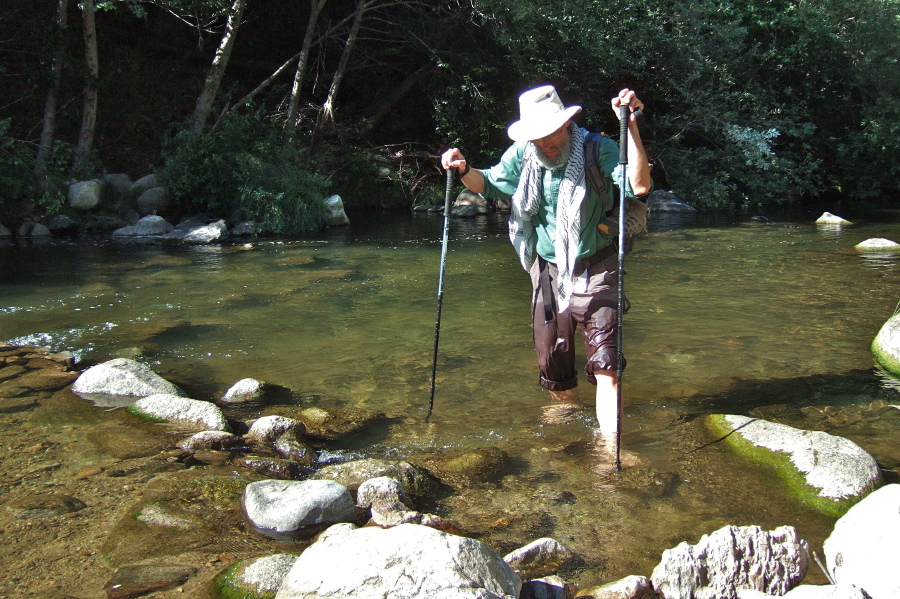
{"x":541,"y":112}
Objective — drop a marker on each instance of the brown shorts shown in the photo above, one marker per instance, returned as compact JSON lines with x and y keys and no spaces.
{"x":595,"y":310}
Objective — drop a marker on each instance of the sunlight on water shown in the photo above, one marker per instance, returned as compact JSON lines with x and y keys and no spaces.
{"x":770,"y":319}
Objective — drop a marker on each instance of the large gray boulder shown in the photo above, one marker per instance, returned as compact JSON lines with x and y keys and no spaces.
{"x":334,"y":212}
{"x":286,"y":507}
{"x":830,"y":473}
{"x":666,"y":201}
{"x":862,"y":549}
{"x":405,"y":561}
{"x":85,"y":195}
{"x":120,"y":182}
{"x":174,"y":409}
{"x":733,"y":558}
{"x":4,"y":232}
{"x":123,"y":376}
{"x":886,"y":345}
{"x":144,"y":183}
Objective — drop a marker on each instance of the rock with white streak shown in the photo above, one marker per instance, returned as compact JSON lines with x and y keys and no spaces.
{"x":538,"y":558}
{"x":404,"y":561}
{"x":123,"y":376}
{"x":733,"y":558}
{"x":862,"y":549}
{"x":174,"y":409}
{"x":832,"y":473}
{"x":291,"y":507}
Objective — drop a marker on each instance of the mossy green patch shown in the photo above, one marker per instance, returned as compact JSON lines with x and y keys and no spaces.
{"x":228,"y":585}
{"x":780,"y":463}
{"x":886,"y":360}
{"x":134,"y":410}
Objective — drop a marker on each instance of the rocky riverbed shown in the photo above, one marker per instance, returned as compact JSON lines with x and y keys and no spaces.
{"x":99,"y":502}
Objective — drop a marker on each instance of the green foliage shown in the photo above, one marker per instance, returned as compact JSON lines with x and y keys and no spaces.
{"x":243,"y":171}
{"x":16,"y":163}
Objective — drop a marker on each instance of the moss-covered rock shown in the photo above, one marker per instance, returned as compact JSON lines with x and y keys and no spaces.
{"x":886,"y":345}
{"x":826,"y":472}
{"x":258,"y":578}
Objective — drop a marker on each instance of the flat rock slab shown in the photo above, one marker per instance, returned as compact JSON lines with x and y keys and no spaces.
{"x":827,"y":472}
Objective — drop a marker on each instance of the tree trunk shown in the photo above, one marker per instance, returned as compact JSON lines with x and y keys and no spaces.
{"x":396,"y":95}
{"x":315,"y":7}
{"x":89,"y":112}
{"x":327,"y":114}
{"x":49,"y":130}
{"x":217,"y":70}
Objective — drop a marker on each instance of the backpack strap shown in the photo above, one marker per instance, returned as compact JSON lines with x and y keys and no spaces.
{"x":597,"y":180}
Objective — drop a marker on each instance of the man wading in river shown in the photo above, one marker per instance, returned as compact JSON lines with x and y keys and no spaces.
{"x":559,"y":225}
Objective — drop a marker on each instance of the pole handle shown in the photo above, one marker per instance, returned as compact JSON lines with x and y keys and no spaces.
{"x":624,"y":115}
{"x":451,"y":173}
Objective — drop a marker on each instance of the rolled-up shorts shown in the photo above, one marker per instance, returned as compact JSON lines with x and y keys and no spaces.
{"x":593,"y":307}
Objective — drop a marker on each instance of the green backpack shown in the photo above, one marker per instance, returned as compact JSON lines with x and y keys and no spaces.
{"x":635,"y":210}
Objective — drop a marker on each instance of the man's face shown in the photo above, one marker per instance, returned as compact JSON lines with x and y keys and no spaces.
{"x":553,"y":149}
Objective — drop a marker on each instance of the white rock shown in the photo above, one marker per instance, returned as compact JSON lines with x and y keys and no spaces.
{"x":837,"y":467}
{"x":175,"y":409}
{"x":828,"y":218}
{"x":287,"y":506}
{"x":862,"y":549}
{"x":878,"y":244}
{"x":123,"y":376}
{"x":538,"y":558}
{"x":265,"y":430}
{"x":630,"y":587}
{"x":245,"y":390}
{"x":733,"y":558}
{"x":382,"y":489}
{"x":406,"y":561}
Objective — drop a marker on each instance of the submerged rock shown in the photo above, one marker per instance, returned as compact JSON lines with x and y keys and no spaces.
{"x":482,"y":465}
{"x":209,"y":440}
{"x":417,"y":482}
{"x":405,"y":561}
{"x":835,"y":471}
{"x":733,"y":558}
{"x":134,"y":581}
{"x":886,"y":345}
{"x":331,"y":424}
{"x":862,"y":549}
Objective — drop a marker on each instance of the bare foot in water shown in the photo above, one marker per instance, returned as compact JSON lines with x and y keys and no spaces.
{"x":560,"y":413}
{"x":604,"y":454}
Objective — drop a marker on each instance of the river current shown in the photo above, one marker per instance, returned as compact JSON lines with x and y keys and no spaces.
{"x":771,"y":319}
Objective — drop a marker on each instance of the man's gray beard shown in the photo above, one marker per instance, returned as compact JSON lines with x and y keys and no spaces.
{"x":559,"y":160}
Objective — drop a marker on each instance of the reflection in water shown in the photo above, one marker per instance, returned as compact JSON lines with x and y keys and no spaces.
{"x":772,"y":320}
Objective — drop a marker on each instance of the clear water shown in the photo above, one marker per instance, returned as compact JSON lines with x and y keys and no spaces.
{"x":771,"y":319}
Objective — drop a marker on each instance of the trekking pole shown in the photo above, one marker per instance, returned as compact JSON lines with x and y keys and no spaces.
{"x":437,"y":325}
{"x":624,"y":114}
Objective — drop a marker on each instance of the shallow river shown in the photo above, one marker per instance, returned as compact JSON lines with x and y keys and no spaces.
{"x":767,"y":319}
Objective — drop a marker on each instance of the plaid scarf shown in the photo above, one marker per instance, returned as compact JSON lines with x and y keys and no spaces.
{"x":526,"y":203}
